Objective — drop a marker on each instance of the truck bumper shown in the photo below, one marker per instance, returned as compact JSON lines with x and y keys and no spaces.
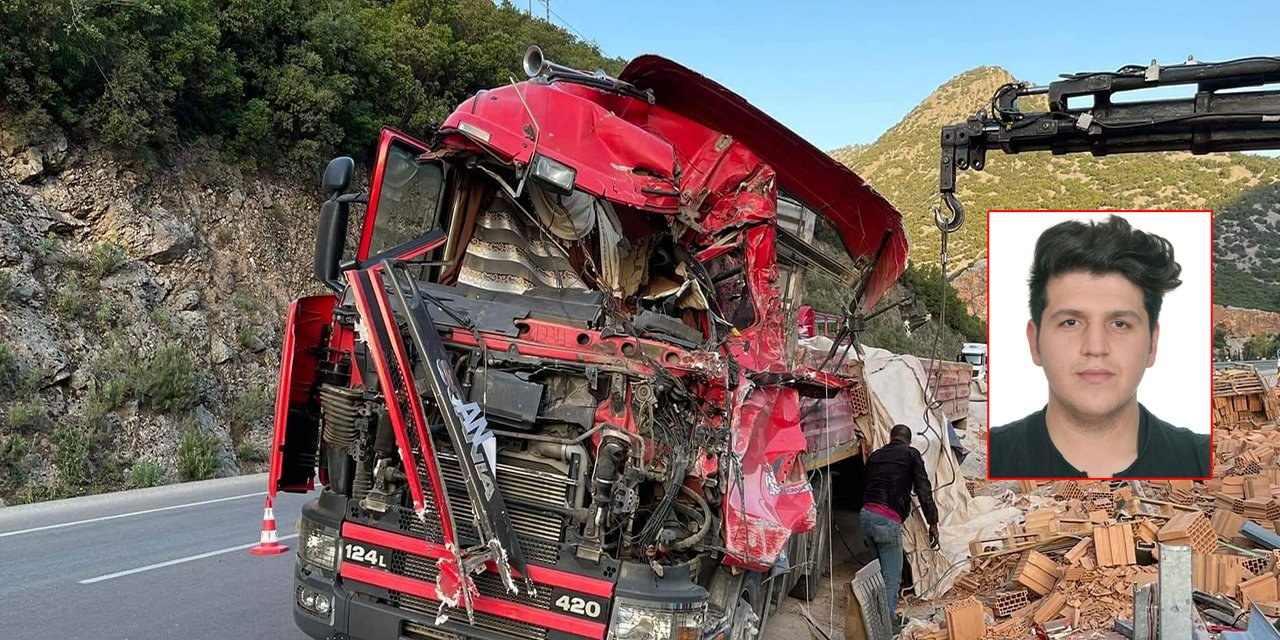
{"x":356,"y":618}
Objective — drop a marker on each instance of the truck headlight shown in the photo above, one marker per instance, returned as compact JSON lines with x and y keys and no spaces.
{"x":319,"y":545}
{"x":555,"y":174}
{"x":312,"y":600}
{"x":638,"y":620}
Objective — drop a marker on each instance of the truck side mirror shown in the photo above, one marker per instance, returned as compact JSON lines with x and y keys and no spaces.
{"x":337,"y":176}
{"x":331,"y":230}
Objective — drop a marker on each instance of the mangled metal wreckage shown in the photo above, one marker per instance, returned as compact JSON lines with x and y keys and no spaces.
{"x":553,"y":393}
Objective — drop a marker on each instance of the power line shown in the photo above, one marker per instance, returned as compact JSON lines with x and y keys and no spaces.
{"x":565,"y":23}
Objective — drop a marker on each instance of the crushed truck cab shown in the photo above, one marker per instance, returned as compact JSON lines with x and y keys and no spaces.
{"x":555,"y":390}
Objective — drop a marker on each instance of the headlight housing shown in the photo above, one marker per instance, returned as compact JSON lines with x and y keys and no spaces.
{"x":555,"y":174}
{"x":646,"y":620}
{"x":318,"y":545}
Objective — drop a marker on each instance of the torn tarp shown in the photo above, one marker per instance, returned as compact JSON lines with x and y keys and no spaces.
{"x":896,"y":395}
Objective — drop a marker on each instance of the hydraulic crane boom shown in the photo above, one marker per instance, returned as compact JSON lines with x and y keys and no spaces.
{"x":1219,"y":117}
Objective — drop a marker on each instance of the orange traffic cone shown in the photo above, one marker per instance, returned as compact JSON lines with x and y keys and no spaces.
{"x":268,"y":544}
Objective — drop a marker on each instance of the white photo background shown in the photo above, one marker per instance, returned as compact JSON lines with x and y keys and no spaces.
{"x":1176,"y":388}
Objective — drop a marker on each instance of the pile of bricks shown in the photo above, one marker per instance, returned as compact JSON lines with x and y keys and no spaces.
{"x":1240,"y":398}
{"x":1075,"y":562}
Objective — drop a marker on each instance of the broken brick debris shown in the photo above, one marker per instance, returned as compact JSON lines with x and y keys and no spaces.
{"x":1037,"y":572}
{"x":965,"y":620}
{"x":1114,"y":545}
{"x":1075,"y":562}
{"x":1006,"y":603}
{"x":1190,"y":529}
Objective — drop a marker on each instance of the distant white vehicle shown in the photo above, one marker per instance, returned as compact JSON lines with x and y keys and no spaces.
{"x":975,"y":353}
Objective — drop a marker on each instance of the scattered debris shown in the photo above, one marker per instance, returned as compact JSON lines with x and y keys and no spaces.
{"x":1083,"y":549}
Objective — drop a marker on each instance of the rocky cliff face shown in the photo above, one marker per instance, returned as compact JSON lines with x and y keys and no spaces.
{"x":971,"y":286}
{"x":141,"y":308}
{"x":1244,"y":323}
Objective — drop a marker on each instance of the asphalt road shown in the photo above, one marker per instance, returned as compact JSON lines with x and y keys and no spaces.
{"x":167,"y":562}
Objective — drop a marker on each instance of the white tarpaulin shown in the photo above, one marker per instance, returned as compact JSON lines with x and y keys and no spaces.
{"x":896,"y":393}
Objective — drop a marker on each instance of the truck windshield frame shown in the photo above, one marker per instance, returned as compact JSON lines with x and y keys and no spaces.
{"x":409,"y":200}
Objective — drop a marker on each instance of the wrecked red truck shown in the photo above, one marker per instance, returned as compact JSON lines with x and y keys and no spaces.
{"x":555,"y":391}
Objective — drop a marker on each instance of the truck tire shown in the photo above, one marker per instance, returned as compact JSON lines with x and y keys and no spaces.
{"x":750,"y":613}
{"x":813,"y":548}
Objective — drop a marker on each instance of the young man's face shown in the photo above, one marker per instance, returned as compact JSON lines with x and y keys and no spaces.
{"x":1094,"y":344}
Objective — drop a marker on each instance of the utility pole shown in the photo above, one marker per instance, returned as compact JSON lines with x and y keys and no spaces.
{"x":548,"y":3}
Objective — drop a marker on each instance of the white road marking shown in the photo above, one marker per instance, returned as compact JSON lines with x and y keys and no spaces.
{"x":132,"y":513}
{"x":170,"y":563}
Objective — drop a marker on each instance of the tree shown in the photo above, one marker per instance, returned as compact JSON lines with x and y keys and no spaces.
{"x":1261,"y":347}
{"x":280,"y":84}
{"x":926,"y":282}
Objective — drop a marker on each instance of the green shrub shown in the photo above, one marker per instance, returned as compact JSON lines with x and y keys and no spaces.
{"x":245,"y":338}
{"x":246,"y":305}
{"x":29,"y":415}
{"x":249,"y":453}
{"x":104,"y":258}
{"x":113,"y":374}
{"x":71,"y":454}
{"x":109,"y":394}
{"x":925,"y":281}
{"x":246,"y":408}
{"x":46,"y":251}
{"x":42,"y":492}
{"x":6,"y":286}
{"x":13,"y":458}
{"x":30,"y":384}
{"x":146,"y":474}
{"x":71,"y":300}
{"x":162,"y":320}
{"x":198,"y":455}
{"x":169,"y":382}
{"x":97,"y":409}
{"x":9,"y":381}
{"x":105,"y":316}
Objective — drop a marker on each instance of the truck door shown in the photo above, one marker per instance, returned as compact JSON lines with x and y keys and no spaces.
{"x":406,"y":203}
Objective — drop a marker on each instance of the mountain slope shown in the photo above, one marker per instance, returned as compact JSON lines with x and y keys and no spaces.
{"x":903,"y":165}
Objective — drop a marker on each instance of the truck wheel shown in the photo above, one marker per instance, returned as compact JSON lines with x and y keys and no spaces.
{"x":749,"y":614}
{"x":746,"y":624}
{"x":814,"y":549}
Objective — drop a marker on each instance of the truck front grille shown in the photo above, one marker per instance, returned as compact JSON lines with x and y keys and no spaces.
{"x":423,"y":632}
{"x":538,"y":533}
{"x":489,"y":584}
{"x":505,"y":626}
{"x":525,"y":485}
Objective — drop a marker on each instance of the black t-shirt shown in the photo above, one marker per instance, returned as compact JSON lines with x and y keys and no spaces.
{"x":1023,"y":449}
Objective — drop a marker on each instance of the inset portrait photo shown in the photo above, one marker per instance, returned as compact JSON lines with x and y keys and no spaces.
{"x":1100,"y":344}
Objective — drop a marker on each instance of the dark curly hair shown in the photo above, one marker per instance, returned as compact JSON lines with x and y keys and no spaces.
{"x":1100,"y":248}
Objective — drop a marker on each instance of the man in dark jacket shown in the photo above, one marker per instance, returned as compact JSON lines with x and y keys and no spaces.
{"x":892,"y":472}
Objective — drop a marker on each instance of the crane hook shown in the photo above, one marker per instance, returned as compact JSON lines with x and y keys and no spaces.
{"x":952,"y":224}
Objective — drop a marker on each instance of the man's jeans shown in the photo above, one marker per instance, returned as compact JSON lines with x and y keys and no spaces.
{"x":883,"y":537}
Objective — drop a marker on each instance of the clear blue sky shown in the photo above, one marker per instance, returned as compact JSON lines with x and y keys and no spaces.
{"x":839,"y":73}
